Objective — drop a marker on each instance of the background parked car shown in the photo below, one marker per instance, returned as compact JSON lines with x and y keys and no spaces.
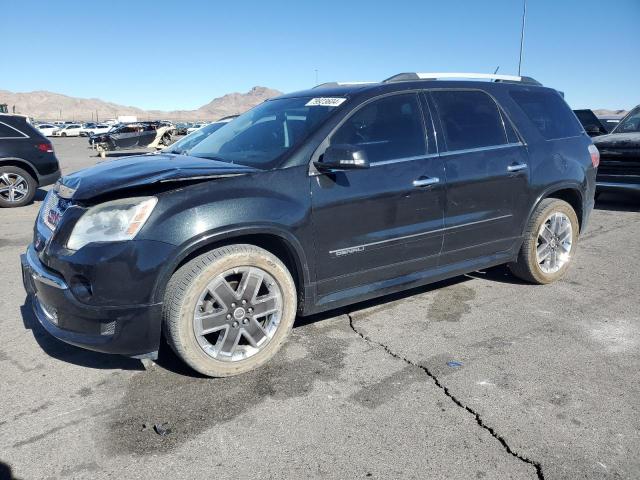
{"x":95,"y":129}
{"x":47,"y":129}
{"x":27,"y":161}
{"x":620,"y":156}
{"x":133,"y":135}
{"x":69,"y":130}
{"x":590,"y":123}
{"x":610,"y":121}
{"x":181,"y":128}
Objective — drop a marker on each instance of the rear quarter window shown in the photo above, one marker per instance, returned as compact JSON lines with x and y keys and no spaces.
{"x":7,"y":131}
{"x":548,"y":112}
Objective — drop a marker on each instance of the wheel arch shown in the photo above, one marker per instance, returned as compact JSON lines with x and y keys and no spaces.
{"x":570,"y":193}
{"x":280,"y":243}
{"x":23,"y":164}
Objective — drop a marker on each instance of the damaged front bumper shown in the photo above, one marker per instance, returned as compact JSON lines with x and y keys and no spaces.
{"x":127,"y":330}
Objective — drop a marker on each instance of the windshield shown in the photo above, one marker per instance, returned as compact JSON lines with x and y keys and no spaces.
{"x":630,"y":124}
{"x":263,"y":135}
{"x":185,"y":144}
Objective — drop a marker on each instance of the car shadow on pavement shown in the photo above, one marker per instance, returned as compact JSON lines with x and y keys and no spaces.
{"x":378,"y":301}
{"x":618,"y":202}
{"x":69,"y":353}
{"x":500,"y":274}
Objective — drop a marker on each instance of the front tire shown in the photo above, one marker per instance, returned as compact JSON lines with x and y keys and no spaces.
{"x":550,"y":242}
{"x":229,"y":311}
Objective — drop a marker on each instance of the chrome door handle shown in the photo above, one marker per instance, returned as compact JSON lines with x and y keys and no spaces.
{"x":516,"y":168}
{"x":425,"y":182}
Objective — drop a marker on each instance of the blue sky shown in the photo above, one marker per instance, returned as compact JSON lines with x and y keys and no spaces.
{"x":181,"y":54}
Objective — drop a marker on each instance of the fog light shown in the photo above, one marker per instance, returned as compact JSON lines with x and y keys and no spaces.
{"x":108,"y":328}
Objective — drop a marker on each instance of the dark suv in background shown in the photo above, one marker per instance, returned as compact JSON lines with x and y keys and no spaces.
{"x":27,"y":161}
{"x":620,"y":150}
{"x":308,"y":202}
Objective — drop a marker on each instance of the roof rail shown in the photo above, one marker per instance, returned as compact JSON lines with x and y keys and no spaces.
{"x":403,"y":77}
{"x":341,"y":84}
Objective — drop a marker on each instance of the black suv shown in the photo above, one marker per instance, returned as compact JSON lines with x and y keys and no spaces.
{"x":308,"y":202}
{"x":620,"y":150}
{"x":27,"y":161}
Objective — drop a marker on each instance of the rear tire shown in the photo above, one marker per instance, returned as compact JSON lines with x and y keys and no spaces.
{"x":17,"y":187}
{"x":219,"y":338}
{"x":550,"y":242}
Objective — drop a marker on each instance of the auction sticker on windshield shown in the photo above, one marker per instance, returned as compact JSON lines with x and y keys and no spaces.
{"x":325,"y":102}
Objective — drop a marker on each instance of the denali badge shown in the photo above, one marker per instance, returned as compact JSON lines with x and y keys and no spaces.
{"x":348,"y":251}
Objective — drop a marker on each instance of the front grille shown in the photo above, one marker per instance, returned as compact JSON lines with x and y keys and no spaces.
{"x":622,"y":162}
{"x":52,"y":209}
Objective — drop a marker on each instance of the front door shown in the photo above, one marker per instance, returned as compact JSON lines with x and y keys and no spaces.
{"x":376,"y":224}
{"x":487,"y":175}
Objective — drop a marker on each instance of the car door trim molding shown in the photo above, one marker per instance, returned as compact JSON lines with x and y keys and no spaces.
{"x":403,"y":159}
{"x":481,"y":149}
{"x":361,"y":248}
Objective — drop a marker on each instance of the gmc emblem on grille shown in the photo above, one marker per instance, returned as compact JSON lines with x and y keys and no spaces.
{"x":53,"y":217}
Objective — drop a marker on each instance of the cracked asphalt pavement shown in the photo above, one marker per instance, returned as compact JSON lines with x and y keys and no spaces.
{"x":481,"y":376}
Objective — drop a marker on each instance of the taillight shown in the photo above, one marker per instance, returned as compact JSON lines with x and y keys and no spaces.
{"x":45,"y":147}
{"x":595,"y":155}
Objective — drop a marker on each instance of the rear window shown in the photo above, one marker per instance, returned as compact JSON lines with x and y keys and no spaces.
{"x":470,"y":119}
{"x":548,"y":112}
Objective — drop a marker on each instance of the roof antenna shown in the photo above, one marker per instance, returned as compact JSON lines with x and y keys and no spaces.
{"x":496,"y":70}
{"x":524,"y":18}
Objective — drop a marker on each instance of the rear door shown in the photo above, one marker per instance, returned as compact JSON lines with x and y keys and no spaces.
{"x":487,"y":175}
{"x":126,"y":136}
{"x":380,"y":223}
{"x":147,"y":135}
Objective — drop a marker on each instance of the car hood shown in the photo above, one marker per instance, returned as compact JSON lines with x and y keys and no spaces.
{"x":139,"y":170}
{"x":616,"y":141}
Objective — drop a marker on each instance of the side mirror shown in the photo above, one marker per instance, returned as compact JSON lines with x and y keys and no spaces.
{"x":342,"y":157}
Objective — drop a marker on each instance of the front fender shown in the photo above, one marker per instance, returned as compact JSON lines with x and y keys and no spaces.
{"x":209,"y":240}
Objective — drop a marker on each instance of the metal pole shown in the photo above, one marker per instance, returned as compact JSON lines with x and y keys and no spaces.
{"x":524,"y":17}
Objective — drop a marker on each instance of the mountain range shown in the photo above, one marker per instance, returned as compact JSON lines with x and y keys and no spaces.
{"x":43,"y":105}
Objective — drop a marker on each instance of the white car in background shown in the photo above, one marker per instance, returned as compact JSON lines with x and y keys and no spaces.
{"x":47,"y":129}
{"x":195,"y":127}
{"x":100,"y":128}
{"x":70,"y":130}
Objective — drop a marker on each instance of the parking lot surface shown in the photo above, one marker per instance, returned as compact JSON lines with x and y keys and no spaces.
{"x":481,"y":376}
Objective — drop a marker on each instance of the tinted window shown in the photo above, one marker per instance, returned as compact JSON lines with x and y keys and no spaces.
{"x":385,"y":129}
{"x":470,"y":119}
{"x":8,"y":132}
{"x":548,"y":112}
{"x":630,"y":123}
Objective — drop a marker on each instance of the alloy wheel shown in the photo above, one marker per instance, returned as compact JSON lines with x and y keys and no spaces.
{"x":555,"y":239}
{"x":13,"y":187}
{"x":237,"y":313}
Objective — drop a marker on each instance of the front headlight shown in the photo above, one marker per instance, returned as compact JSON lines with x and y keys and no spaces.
{"x":112,"y":221}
